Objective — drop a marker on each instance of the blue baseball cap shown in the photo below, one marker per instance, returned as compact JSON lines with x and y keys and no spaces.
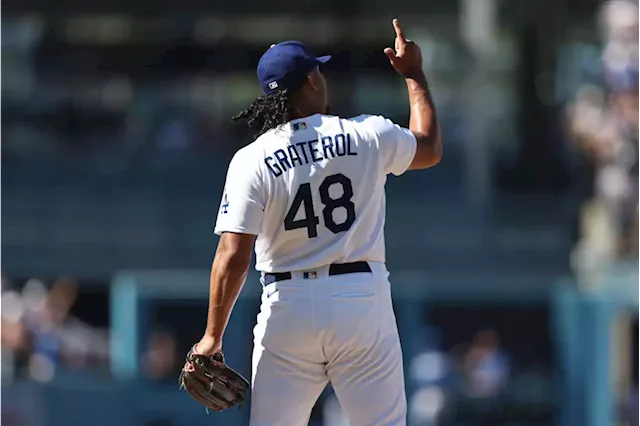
{"x":285,"y":66}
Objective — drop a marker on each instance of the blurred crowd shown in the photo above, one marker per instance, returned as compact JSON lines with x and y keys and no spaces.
{"x":603,"y":122}
{"x":78,"y":97}
{"x":42,"y":338}
{"x":473,"y":377}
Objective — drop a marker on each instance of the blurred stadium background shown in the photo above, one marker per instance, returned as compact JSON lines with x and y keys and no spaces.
{"x":514,"y":261}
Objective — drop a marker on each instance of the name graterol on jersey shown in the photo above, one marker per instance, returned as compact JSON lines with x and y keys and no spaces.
{"x":312,"y":151}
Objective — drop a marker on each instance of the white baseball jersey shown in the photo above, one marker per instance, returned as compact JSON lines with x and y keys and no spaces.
{"x":313,"y":190}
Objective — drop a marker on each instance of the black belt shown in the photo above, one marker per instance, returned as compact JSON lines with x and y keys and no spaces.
{"x":334,"y":269}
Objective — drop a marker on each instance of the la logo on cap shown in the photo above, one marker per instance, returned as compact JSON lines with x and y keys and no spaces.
{"x":273,"y":85}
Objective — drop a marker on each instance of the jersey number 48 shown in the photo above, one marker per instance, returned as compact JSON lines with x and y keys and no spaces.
{"x":304,"y":199}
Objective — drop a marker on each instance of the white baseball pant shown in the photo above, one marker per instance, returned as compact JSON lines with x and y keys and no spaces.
{"x":314,"y":329}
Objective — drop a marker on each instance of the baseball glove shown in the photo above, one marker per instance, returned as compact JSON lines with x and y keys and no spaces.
{"x":211,"y":382}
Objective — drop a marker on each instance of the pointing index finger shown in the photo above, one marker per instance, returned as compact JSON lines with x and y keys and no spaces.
{"x":399,"y":33}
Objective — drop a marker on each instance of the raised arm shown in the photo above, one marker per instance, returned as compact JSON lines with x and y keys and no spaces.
{"x":407,"y":60}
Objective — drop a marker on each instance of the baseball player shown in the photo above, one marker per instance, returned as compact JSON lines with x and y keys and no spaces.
{"x":309,"y":194}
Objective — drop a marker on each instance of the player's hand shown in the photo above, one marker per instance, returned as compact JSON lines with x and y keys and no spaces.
{"x":406,"y":58}
{"x":207,"y":346}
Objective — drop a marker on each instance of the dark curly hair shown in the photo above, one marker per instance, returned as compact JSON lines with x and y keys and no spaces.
{"x":267,"y":112}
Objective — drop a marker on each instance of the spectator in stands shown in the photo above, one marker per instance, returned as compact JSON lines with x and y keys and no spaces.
{"x":431,"y":373}
{"x":487,"y":366}
{"x":57,"y":338}
{"x":486,"y":374}
{"x":160,"y":357}
{"x":44,"y":326}
{"x":604,"y":123}
{"x":13,"y":335}
{"x":619,"y":27}
{"x":81,"y":345}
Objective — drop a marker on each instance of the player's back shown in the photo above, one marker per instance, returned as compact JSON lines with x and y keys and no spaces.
{"x":320,"y":181}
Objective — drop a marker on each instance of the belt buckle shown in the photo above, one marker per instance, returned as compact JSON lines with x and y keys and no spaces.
{"x":310,"y":275}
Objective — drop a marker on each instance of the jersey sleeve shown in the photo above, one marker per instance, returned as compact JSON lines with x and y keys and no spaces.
{"x":396,"y":145}
{"x":242,"y":205}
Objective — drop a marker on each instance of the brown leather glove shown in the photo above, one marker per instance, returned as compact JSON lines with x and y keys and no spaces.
{"x":211,"y":382}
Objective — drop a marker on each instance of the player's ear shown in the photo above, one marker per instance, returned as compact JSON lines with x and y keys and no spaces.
{"x":313,"y":79}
